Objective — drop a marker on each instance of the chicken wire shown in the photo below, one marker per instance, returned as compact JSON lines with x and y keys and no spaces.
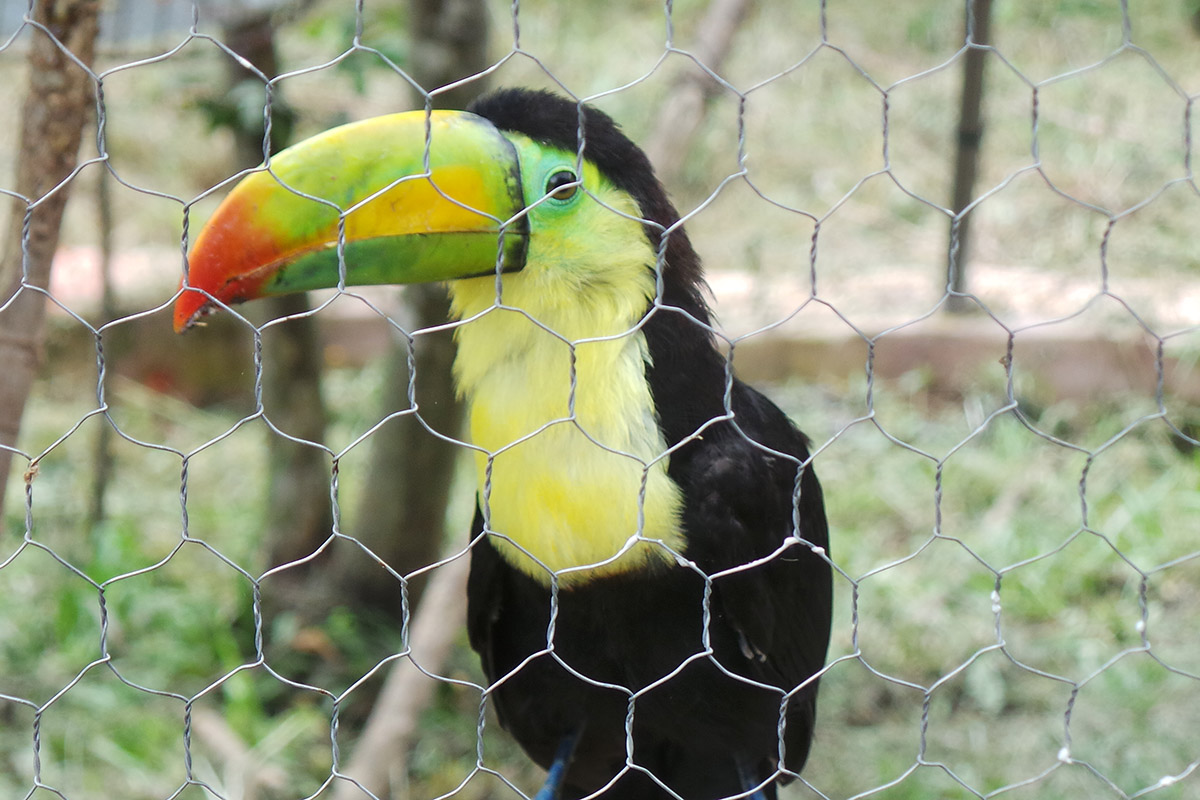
{"x":946,"y":676}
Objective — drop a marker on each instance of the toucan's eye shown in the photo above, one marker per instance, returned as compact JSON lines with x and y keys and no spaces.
{"x":562,"y":185}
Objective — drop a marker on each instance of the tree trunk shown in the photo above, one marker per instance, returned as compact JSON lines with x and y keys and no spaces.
{"x":298,"y":496}
{"x":57,"y":101}
{"x":403,"y":510}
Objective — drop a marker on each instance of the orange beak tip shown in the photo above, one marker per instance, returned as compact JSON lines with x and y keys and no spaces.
{"x":190,"y":308}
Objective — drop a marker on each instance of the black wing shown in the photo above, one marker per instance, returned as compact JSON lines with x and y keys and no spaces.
{"x":746,"y":485}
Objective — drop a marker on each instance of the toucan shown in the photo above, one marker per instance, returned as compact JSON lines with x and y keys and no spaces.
{"x":650,"y":586}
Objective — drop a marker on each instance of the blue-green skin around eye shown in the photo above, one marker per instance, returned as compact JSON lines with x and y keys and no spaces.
{"x":538,"y":164}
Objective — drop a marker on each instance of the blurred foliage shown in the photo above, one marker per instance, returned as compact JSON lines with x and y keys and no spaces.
{"x":241,"y":109}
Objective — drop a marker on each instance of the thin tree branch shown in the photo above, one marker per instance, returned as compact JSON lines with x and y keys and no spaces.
{"x":683,"y":111}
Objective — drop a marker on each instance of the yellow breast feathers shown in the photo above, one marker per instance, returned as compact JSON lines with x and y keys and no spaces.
{"x":565,"y":485}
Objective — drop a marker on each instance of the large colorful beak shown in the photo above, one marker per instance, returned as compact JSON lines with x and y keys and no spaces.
{"x":411,"y":198}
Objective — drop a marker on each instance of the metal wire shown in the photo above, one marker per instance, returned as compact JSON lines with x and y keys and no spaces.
{"x":903,"y":578}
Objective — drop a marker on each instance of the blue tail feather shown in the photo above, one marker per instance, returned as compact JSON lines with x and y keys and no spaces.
{"x":552,"y":788}
{"x":749,"y":781}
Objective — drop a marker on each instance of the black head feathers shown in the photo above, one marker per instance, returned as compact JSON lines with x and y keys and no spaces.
{"x":551,"y":119}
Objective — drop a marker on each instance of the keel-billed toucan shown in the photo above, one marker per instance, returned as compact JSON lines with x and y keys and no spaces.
{"x":668,"y":512}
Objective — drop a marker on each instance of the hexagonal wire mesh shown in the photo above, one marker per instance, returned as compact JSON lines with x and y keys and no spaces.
{"x":1011,"y":491}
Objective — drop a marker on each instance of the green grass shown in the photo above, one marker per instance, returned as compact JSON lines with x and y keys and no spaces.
{"x":1069,"y":608}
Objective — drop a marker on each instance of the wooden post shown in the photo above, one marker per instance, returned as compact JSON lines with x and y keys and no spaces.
{"x":966,"y":162}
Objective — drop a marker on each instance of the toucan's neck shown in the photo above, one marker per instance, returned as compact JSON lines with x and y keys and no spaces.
{"x":560,"y":404}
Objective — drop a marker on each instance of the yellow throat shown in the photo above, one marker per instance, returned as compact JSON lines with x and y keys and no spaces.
{"x":562,"y":477}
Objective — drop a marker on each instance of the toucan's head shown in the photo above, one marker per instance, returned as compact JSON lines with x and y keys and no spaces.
{"x":413,"y":197}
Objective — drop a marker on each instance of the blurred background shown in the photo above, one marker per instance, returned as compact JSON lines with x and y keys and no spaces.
{"x":955,"y":241}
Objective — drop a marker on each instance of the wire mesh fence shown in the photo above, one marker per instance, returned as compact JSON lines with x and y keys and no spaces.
{"x":1012,"y":488}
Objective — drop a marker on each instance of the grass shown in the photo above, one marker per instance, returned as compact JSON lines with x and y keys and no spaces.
{"x":1083,"y":527}
{"x":1067,"y":609}
{"x":1070,"y":603}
